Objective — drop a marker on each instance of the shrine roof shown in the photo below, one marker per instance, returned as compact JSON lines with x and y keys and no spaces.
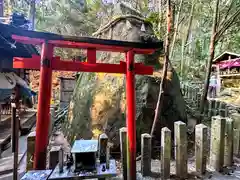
{"x":85,"y":146}
{"x":10,"y":48}
{"x":225,"y":56}
{"x":46,"y":36}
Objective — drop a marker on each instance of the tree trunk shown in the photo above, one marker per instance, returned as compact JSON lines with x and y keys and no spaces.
{"x":209,"y":65}
{"x":184,"y":41}
{"x":32,"y":13}
{"x":176,"y":28}
{"x":165,"y":67}
{"x":160,"y":10}
{"x":182,"y":59}
{"x":1,"y":8}
{"x":154,"y":5}
{"x":190,"y":22}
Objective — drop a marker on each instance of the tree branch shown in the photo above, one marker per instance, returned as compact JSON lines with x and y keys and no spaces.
{"x":190,"y":22}
{"x":227,"y":24}
{"x":181,"y":20}
{"x":229,"y":9}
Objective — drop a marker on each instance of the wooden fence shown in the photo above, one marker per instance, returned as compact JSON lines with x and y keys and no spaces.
{"x":66,"y":90}
{"x":213,"y":106}
{"x":224,"y":143}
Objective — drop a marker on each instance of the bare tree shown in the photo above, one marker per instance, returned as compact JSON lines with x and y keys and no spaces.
{"x":184,"y":41}
{"x":165,"y":67}
{"x":176,"y":28}
{"x":211,"y":57}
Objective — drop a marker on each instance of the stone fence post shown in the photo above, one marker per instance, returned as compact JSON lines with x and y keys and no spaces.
{"x":180,"y":133}
{"x":123,"y":146}
{"x":228,"y":150}
{"x":201,"y":146}
{"x":146,"y":154}
{"x":54,"y":156}
{"x":166,"y":146}
{"x":30,"y":150}
{"x":217,"y":142}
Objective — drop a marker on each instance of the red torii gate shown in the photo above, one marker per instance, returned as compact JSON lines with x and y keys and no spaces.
{"x":47,"y":62}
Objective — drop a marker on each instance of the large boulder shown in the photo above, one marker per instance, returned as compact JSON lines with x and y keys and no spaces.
{"x":99,"y":100}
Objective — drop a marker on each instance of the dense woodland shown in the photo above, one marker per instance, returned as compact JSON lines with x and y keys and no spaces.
{"x":191,"y":25}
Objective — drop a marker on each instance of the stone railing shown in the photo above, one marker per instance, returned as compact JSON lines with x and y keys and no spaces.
{"x":214,"y":149}
{"x":213,"y":106}
{"x":212,"y":152}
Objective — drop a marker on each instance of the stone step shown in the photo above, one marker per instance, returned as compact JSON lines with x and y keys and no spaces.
{"x":27,"y":122}
{"x":6,"y":164}
{"x":5,"y":133}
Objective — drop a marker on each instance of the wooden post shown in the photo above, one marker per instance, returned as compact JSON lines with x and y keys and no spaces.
{"x":194,"y":94}
{"x":43,"y":108}
{"x":201,"y":146}
{"x":108,"y":157}
{"x":30,"y":150}
{"x":210,"y":108}
{"x":61,"y":159}
{"x":186,"y":92}
{"x":206,"y":107}
{"x":222,"y":109}
{"x":214,"y":110}
{"x":217,"y":107}
{"x":196,"y":90}
{"x":131,"y":114}
{"x":236,"y":142}
{"x":217,"y":142}
{"x":52,"y":119}
{"x":15,"y":139}
{"x":180,"y":133}
{"x":236,"y":120}
{"x":189,"y":93}
{"x":123,"y":146}
{"x":198,"y":97}
{"x":226,"y":111}
{"x":198,"y":100}
{"x":146,"y":154}
{"x":102,"y":145}
{"x":54,"y":156}
{"x":166,"y":145}
{"x":228,"y":151}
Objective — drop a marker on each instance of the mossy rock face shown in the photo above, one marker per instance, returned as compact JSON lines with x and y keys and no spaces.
{"x":99,"y":99}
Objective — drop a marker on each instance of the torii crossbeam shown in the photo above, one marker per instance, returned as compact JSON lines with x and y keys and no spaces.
{"x":47,"y":62}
